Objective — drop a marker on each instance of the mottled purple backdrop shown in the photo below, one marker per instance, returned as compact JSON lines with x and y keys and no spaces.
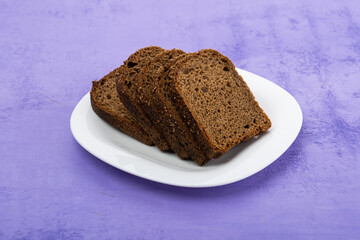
{"x":51,"y":188}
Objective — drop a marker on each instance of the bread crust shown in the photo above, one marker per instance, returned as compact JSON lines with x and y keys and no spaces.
{"x":148,"y":78}
{"x":126,"y":86}
{"x":171,"y":120}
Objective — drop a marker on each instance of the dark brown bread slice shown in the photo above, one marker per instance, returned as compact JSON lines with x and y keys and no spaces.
{"x":147,"y":78}
{"x":214,"y":102}
{"x":107,"y":105}
{"x":160,"y":102}
{"x":127,"y":88}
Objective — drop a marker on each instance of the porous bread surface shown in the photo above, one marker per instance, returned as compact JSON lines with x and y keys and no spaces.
{"x":147,"y":79}
{"x":127,"y":85}
{"x":214,"y":101}
{"x":170,"y":117}
{"x":107,"y":105}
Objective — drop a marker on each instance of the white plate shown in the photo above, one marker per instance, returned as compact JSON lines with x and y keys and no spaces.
{"x":244,"y":160}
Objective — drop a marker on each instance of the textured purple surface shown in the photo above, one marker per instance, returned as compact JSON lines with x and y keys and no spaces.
{"x":51,"y":188}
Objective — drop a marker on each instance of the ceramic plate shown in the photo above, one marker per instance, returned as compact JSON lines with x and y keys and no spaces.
{"x":244,"y":160}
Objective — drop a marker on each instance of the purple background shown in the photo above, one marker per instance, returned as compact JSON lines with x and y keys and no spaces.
{"x":51,"y":188}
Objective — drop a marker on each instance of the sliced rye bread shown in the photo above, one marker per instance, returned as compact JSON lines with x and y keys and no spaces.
{"x":158,"y":101}
{"x":214,"y":102}
{"x":107,"y":105}
{"x":127,"y":88}
{"x":147,"y":78}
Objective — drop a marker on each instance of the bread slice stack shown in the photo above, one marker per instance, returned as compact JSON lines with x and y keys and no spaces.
{"x":194,"y":104}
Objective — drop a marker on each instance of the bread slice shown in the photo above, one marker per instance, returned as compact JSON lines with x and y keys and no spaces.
{"x":107,"y":105}
{"x":147,"y":79}
{"x":214,"y":102}
{"x":158,"y":101}
{"x":127,"y":88}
